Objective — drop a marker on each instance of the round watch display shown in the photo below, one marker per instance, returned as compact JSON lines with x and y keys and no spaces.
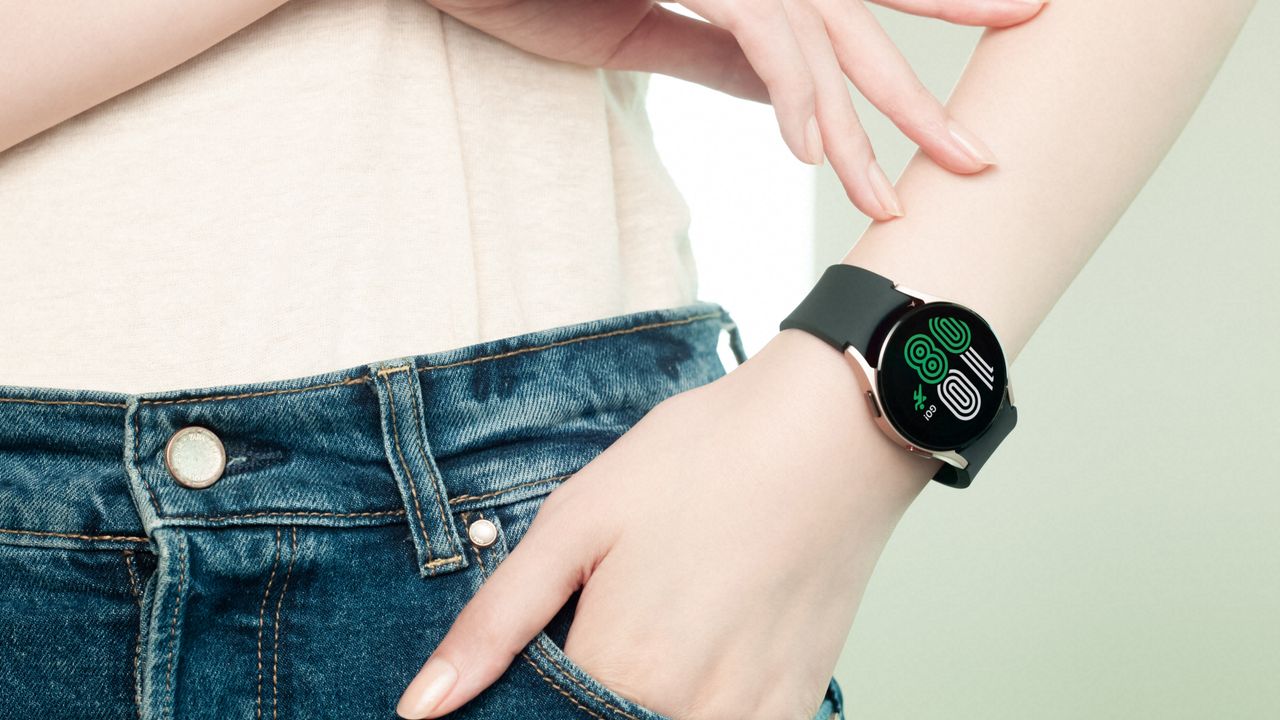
{"x":941,"y":376}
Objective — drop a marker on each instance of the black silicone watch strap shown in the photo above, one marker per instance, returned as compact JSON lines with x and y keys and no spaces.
{"x":846,"y":306}
{"x":977,"y":452}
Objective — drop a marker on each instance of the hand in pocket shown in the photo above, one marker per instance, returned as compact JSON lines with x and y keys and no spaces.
{"x":721,"y":547}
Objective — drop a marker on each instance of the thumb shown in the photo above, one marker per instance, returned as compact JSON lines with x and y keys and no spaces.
{"x":512,"y":606}
{"x":674,"y":44}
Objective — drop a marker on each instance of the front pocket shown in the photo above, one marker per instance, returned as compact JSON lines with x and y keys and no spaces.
{"x":580,"y":694}
{"x":561,"y":683}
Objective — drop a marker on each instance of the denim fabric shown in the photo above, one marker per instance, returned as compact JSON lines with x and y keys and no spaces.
{"x":316,"y":575}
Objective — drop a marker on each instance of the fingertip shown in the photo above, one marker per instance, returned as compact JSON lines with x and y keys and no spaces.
{"x":890,"y":206}
{"x":1020,"y":11}
{"x":870,"y":206}
{"x":813,"y":141}
{"x":1003,"y":14}
{"x":797,"y":145}
{"x":427,"y":689}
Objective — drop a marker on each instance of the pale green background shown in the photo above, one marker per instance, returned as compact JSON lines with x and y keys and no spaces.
{"x":1120,"y":556}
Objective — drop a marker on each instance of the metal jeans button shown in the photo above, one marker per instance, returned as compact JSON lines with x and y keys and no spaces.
{"x":482,"y":532}
{"x":195,"y":457}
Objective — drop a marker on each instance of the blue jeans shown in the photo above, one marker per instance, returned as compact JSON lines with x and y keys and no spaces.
{"x":302,"y":550}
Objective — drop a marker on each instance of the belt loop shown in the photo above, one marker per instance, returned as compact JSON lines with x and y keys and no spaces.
{"x":735,"y":337}
{"x":404,"y":436}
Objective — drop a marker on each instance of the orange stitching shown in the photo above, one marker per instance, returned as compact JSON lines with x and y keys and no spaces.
{"x":177,"y":605}
{"x":441,"y":561}
{"x":262,"y":609}
{"x":395,"y":431}
{"x":564,"y":672}
{"x":273,"y":513}
{"x":570,"y":341}
{"x":485,"y":570}
{"x":562,"y":691}
{"x":133,"y":579}
{"x":422,"y":451}
{"x":137,"y":643}
{"x":258,"y":393}
{"x":137,"y":654}
{"x":461,"y":498}
{"x":317,"y":513}
{"x":366,"y":378}
{"x":40,"y":533}
{"x":275,"y":659}
{"x":33,"y":401}
{"x":388,"y":370}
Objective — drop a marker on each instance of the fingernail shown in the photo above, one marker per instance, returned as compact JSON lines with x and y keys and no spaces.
{"x":813,"y":141}
{"x":970,"y":144}
{"x":427,"y":689}
{"x":883,"y":189}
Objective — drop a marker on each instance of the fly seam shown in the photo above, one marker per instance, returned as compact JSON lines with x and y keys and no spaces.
{"x":137,"y":643}
{"x":275,"y":659}
{"x":395,"y":431}
{"x":133,"y":579}
{"x":262,"y":608}
{"x":137,"y":655}
{"x":137,"y":441}
{"x":420,"y":426}
{"x":569,"y":341}
{"x":173,"y":625}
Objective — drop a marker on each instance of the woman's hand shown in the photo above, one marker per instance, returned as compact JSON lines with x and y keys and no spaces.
{"x":722,"y":546}
{"x":795,"y":54}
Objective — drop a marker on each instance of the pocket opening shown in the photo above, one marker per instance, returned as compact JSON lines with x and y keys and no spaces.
{"x":546,"y":657}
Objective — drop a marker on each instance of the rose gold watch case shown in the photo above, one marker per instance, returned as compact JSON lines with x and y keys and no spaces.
{"x":867,"y":380}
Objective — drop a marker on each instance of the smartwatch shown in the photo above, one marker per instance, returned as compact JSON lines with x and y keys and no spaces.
{"x":932,"y":371}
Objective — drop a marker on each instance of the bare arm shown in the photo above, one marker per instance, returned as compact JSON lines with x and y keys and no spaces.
{"x":1080,"y":107}
{"x":61,"y":57}
{"x":723,"y":543}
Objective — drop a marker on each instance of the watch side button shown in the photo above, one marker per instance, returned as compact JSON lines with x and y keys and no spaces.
{"x":875,"y":407}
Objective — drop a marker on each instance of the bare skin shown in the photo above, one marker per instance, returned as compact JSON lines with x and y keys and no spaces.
{"x":723,"y":544}
{"x":774,"y":470}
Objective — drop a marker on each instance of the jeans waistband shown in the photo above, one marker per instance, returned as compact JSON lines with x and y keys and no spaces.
{"x":409,"y":439}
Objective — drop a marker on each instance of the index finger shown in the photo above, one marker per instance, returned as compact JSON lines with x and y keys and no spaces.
{"x":990,"y":13}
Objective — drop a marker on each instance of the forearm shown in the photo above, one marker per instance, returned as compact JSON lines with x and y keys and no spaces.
{"x":1079,"y":107}
{"x":60,"y":57}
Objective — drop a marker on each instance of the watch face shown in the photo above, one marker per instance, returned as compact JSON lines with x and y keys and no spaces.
{"x":941,"y":376}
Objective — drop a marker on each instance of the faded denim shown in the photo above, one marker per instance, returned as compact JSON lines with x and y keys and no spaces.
{"x":315,"y":576}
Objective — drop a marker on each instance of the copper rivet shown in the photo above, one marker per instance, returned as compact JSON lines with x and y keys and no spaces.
{"x":482,"y":532}
{"x":195,"y":457}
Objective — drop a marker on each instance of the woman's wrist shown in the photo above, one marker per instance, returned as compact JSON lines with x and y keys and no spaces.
{"x":812,"y":397}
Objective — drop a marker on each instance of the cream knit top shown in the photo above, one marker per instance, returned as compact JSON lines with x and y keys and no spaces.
{"x":340,"y":182}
